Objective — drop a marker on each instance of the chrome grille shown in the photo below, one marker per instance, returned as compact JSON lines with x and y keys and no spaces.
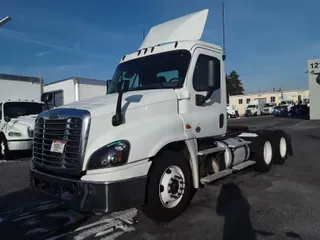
{"x":46,"y":131}
{"x":68,"y":125}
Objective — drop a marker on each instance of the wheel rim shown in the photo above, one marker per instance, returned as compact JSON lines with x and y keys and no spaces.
{"x":283,"y":147}
{"x":171,"y":186}
{"x":267,"y":152}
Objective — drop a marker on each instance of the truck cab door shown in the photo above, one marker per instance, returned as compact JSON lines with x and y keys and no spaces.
{"x":1,"y":118}
{"x":208,"y":119}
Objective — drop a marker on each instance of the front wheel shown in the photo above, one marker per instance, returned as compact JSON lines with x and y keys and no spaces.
{"x":169,"y":188}
{"x":4,"y":150}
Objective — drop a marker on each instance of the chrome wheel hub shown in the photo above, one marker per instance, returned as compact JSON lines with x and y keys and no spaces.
{"x":171,"y":186}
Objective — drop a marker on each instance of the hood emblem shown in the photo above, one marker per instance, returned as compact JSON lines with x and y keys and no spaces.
{"x":53,"y":116}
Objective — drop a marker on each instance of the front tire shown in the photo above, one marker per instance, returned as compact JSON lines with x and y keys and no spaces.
{"x":169,"y":188}
{"x":4,"y":150}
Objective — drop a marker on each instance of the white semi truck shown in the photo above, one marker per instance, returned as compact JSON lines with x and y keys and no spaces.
{"x":287,"y":102}
{"x":268,"y":108}
{"x":232,"y":112}
{"x":74,"y":89}
{"x":255,"y":107}
{"x":158,"y":135}
{"x":19,"y":106}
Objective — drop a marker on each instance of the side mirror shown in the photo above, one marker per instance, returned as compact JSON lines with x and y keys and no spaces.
{"x":7,"y":119}
{"x":46,"y":97}
{"x":108,"y":83}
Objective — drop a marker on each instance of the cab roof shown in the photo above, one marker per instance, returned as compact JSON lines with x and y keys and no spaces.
{"x":179,"y":45}
{"x":18,"y":100}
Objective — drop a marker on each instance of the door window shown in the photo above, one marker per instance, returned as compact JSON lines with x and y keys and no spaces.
{"x":201,"y":73}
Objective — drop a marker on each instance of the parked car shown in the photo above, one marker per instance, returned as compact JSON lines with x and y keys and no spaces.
{"x":301,"y":110}
{"x":280,"y":111}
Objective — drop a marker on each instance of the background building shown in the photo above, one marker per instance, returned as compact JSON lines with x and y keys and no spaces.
{"x":314,"y":86}
{"x":240,"y":102}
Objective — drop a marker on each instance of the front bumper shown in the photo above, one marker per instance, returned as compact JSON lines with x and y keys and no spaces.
{"x":249,"y":113}
{"x":89,"y":196}
{"x":20,"y":145}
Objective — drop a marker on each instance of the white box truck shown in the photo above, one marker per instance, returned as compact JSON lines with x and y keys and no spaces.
{"x":74,"y":89}
{"x":19,"y":106}
{"x":157,"y":136}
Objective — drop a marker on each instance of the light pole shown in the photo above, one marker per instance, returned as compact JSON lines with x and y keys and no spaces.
{"x":5,"y":20}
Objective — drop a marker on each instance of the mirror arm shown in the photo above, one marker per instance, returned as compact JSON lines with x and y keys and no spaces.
{"x":117,"y":119}
{"x":47,"y":105}
{"x":209,"y":93}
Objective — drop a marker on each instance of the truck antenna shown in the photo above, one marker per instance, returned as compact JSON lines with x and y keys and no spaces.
{"x":223,"y":32}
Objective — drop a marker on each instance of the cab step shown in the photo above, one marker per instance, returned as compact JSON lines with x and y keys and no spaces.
{"x":211,"y":150}
{"x":215,"y":176}
{"x":243,"y":165}
{"x":211,"y":178}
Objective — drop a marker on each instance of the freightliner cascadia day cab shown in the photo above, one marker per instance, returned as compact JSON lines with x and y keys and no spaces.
{"x":158,"y":134}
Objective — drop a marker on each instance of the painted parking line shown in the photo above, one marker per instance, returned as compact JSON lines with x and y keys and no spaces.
{"x":299,"y":123}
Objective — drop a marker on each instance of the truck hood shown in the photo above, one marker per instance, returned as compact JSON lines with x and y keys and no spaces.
{"x":106,"y":104}
{"x":24,"y":121}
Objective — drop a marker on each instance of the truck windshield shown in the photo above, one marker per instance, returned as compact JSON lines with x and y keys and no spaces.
{"x":17,"y":109}
{"x":163,"y":70}
{"x":252,"y":106}
{"x":285,"y":102}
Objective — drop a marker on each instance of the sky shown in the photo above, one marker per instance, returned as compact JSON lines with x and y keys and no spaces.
{"x":267,"y":42}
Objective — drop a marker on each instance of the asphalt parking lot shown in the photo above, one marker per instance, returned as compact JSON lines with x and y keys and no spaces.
{"x":281,"y":204}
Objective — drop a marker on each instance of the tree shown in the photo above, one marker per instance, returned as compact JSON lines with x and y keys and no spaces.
{"x":234,"y":84}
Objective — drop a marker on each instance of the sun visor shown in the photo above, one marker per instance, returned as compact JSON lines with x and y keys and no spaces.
{"x":186,"y":28}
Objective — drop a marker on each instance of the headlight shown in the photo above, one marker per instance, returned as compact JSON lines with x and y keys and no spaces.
{"x":111,"y":155}
{"x":14,"y":134}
